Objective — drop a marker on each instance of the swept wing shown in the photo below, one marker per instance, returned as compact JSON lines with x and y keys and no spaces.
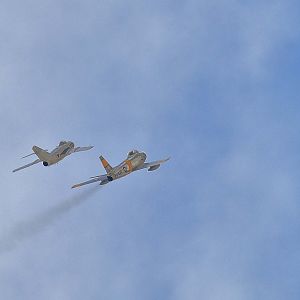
{"x":153,"y":165}
{"x":28,"y":165}
{"x":77,"y":149}
{"x":94,"y":179}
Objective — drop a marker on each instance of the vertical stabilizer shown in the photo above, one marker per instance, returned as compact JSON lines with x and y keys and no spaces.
{"x":105,"y":164}
{"x":41,"y":153}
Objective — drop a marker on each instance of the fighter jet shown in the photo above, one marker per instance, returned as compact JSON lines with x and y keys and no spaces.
{"x":135,"y":161}
{"x":60,"y":152}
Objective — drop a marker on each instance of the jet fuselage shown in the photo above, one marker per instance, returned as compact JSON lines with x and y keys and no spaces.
{"x":57,"y":154}
{"x":60,"y":152}
{"x":127,"y":166}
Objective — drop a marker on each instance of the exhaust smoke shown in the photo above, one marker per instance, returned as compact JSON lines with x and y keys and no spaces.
{"x":26,"y":229}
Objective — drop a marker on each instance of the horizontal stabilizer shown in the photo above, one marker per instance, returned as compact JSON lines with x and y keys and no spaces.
{"x":28,"y":155}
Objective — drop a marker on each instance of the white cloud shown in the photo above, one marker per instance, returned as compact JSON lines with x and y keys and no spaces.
{"x":118,"y":74}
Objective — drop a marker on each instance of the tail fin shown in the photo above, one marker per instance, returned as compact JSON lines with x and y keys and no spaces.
{"x":41,"y":154}
{"x":105,"y":164}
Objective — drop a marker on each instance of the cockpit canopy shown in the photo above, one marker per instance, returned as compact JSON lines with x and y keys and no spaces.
{"x":62,"y":143}
{"x":132,"y":152}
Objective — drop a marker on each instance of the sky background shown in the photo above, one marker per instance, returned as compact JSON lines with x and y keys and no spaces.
{"x":213,"y":84}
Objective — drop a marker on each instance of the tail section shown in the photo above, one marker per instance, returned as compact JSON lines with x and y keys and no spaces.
{"x":105,"y":164}
{"x":41,"y":154}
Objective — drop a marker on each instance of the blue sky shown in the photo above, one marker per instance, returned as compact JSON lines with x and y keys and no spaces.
{"x":214,"y":85}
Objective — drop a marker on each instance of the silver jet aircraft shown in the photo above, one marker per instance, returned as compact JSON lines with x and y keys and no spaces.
{"x":60,"y":152}
{"x":135,"y":161}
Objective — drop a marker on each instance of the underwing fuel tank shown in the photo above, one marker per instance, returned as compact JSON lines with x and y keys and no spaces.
{"x":154,"y":168}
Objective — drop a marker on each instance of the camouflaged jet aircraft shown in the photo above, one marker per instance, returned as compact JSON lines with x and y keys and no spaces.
{"x":135,"y":161}
{"x":60,"y":152}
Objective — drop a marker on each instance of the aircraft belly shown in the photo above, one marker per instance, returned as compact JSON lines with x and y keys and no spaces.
{"x":55,"y":158}
{"x":122,"y":170}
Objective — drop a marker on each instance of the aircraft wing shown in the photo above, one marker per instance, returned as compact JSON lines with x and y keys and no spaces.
{"x":28,"y":165}
{"x":77,"y":149}
{"x":94,"y":179}
{"x":153,"y":165}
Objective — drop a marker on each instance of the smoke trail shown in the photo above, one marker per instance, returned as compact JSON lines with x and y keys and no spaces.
{"x":25,"y":229}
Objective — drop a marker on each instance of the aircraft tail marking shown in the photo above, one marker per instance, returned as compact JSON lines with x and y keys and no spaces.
{"x":105,"y":164}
